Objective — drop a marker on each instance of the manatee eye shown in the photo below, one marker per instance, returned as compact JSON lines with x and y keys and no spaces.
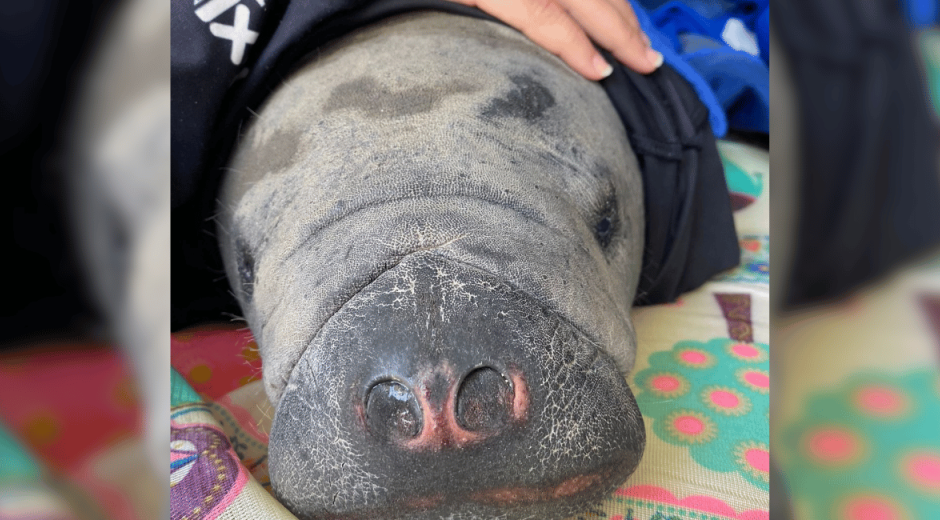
{"x":603,"y":231}
{"x":606,"y":223}
{"x":245,"y":264}
{"x":392,"y":412}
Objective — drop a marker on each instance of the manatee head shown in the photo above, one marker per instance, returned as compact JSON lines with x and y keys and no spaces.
{"x":434,"y":230}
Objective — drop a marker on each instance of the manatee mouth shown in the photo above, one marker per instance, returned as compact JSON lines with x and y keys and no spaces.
{"x":571,"y":487}
{"x":580,"y":488}
{"x":438,"y":390}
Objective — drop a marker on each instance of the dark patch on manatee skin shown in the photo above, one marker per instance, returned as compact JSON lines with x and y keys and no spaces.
{"x":245,"y":263}
{"x":276,"y":154}
{"x":527,"y":99}
{"x":379,"y":102}
{"x":607,"y":224}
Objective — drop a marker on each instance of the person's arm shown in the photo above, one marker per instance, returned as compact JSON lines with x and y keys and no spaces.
{"x":567,"y":27}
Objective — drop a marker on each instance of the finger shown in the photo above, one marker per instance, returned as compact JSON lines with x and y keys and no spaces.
{"x":617,"y":30}
{"x":626,"y":11}
{"x":547,"y":24}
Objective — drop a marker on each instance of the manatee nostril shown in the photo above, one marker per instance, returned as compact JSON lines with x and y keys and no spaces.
{"x":392,"y":412}
{"x":484,"y":401}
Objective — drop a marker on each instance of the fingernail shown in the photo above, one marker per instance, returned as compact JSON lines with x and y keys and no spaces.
{"x":655,"y":57}
{"x":601,"y":66}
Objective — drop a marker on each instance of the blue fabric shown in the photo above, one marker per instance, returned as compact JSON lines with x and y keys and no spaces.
{"x":692,"y":31}
{"x":741,"y":84}
{"x":662,"y":44}
{"x":921,"y":13}
{"x":763,"y":34}
{"x":709,"y":8}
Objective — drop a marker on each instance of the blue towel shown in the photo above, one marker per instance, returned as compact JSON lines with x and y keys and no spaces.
{"x":727,"y":43}
{"x":662,"y":44}
{"x":921,"y":13}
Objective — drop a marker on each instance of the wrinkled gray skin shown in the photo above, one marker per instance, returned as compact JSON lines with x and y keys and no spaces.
{"x":435,"y":230}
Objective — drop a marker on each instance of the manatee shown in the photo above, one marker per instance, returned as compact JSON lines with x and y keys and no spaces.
{"x":434,"y":229}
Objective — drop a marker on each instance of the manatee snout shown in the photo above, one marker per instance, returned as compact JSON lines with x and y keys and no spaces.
{"x":440,"y":391}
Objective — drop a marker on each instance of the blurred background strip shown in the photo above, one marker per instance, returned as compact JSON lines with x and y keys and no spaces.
{"x":83,"y":85}
{"x":855,"y":99}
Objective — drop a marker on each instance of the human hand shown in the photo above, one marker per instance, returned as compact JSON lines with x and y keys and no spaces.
{"x":566,"y":27}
